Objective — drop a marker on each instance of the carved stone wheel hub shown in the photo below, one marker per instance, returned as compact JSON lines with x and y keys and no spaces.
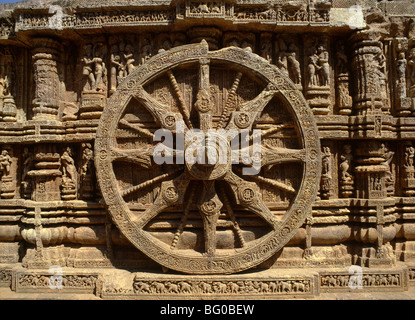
{"x":157,"y":206}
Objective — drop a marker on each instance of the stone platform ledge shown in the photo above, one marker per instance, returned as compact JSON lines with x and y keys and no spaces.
{"x":271,"y":284}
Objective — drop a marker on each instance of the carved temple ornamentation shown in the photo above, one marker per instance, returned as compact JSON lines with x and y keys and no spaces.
{"x":217,"y":141}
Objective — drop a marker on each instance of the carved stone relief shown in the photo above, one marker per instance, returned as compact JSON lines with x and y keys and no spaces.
{"x":85,"y":87}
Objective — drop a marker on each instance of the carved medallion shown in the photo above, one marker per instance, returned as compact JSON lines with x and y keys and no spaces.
{"x":164,"y":208}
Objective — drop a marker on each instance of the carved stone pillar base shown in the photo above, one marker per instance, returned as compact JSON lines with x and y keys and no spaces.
{"x":371,"y":259}
{"x":47,"y":257}
{"x":371,"y":181}
{"x":7,"y":189}
{"x":347,"y":188}
{"x":92,"y":105}
{"x":88,"y":257}
{"x":319,"y":100}
{"x":406,"y":251}
{"x":68,"y":192}
{"x":9,"y":109}
{"x":45,"y":182}
{"x":409,"y":181}
{"x":9,"y":252}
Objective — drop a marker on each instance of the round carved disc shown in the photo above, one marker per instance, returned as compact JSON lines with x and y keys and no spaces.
{"x":207,"y":217}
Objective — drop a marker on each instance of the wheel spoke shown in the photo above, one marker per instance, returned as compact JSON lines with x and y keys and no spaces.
{"x":260,"y":102}
{"x":148,"y":183}
{"x":171,"y":193}
{"x":203,"y":99}
{"x":273,"y":183}
{"x":142,"y":157}
{"x":161,"y":113}
{"x":231,"y":215}
{"x":209,"y":209}
{"x":276,"y":155}
{"x":137,"y":129}
{"x":183,"y":221}
{"x":247,"y":195}
{"x":184,"y":110}
{"x":247,"y":113}
{"x":230,"y":102}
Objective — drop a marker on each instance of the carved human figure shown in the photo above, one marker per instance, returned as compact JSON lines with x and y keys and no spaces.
{"x":27,"y":157}
{"x":282,"y":58}
{"x":326,"y":160}
{"x":346,"y":159}
{"x":388,"y":156}
{"x":87,"y":71}
{"x":146,"y":50}
{"x":68,"y":167}
{"x":266,"y":50}
{"x":294,"y":64}
{"x":117,"y":67}
{"x":409,"y":156}
{"x":167,"y":45}
{"x":323,"y":61}
{"x":100,"y":68}
{"x":313,"y":68}
{"x":342,"y":61}
{"x":401,"y":64}
{"x":411,"y":68}
{"x":129,"y":60}
{"x":5,"y":163}
{"x":87,"y":158}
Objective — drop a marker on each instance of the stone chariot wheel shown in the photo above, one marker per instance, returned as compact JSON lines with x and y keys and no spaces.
{"x":208,"y":217}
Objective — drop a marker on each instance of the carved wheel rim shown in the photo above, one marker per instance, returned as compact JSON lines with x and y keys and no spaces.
{"x":178,"y":185}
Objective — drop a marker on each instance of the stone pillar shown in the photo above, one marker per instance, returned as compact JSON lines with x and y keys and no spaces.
{"x":46,"y":175}
{"x":374,"y":189}
{"x":47,"y":87}
{"x":369,"y":70}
